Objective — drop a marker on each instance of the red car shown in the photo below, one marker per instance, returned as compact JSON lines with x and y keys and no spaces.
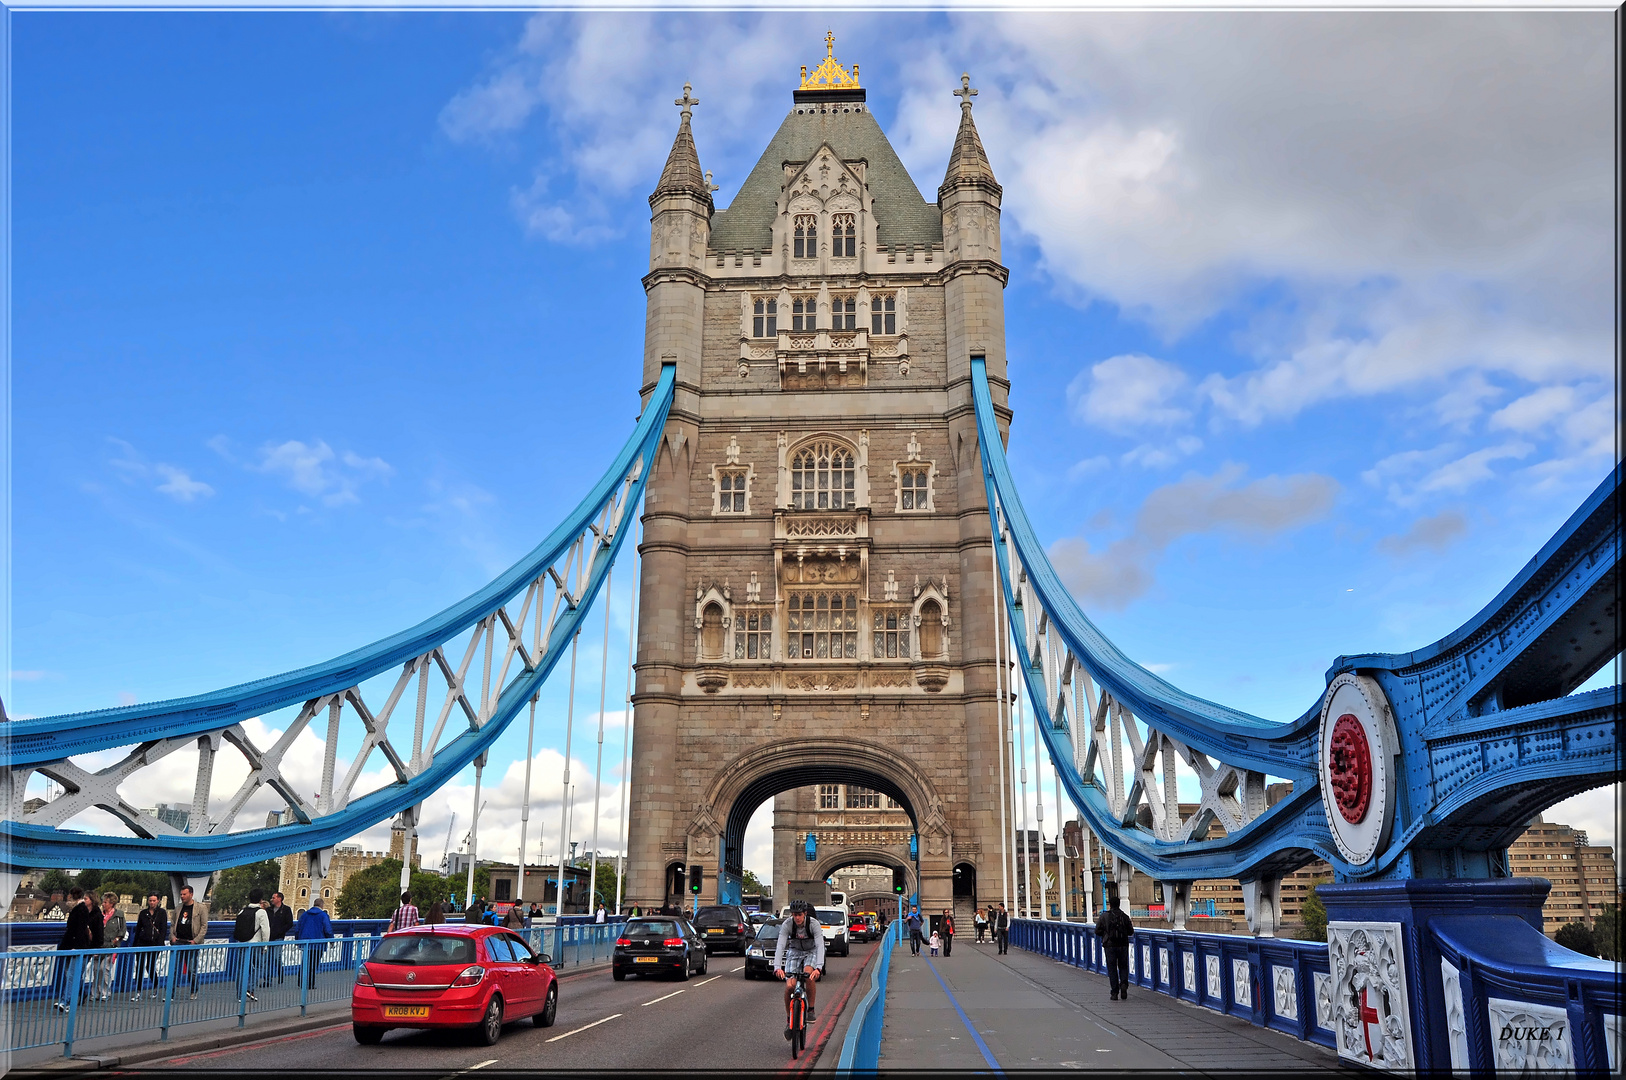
{"x":452,"y":976}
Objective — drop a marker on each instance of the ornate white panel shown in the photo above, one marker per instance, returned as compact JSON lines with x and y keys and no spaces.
{"x":1146,"y":960}
{"x":1286,"y":996}
{"x":1611,"y":1036}
{"x":1131,"y":961}
{"x":1323,"y":1000}
{"x":1215,"y":990}
{"x":1188,"y":964}
{"x":1529,"y":1038}
{"x":1241,"y":983}
{"x":1372,"y":1020}
{"x":1163,"y":964}
{"x":1456,"y":1022}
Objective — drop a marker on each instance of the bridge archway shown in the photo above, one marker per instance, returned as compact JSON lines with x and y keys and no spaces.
{"x":716,"y":834}
{"x":834,"y":862}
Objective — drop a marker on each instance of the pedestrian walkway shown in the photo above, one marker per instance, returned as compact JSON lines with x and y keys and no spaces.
{"x":977,"y":1010}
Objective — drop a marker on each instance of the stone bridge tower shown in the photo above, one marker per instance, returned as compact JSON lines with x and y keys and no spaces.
{"x":817,"y":598}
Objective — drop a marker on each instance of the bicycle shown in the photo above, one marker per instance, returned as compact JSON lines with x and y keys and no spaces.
{"x":798,"y":1014}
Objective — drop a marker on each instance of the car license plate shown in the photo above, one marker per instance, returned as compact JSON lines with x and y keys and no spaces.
{"x":406,"y":1012}
{"x":714,"y":931}
{"x":646,"y":960}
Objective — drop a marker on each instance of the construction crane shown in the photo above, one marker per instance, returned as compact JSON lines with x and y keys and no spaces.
{"x":446,"y":850}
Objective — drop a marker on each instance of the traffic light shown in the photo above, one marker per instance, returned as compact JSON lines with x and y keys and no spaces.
{"x":897,"y":880}
{"x":696,"y":872}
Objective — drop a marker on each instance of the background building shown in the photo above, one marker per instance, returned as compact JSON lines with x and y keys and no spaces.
{"x":1583,"y":875}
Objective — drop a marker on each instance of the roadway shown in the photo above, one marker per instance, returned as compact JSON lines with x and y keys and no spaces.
{"x":716,"y":1021}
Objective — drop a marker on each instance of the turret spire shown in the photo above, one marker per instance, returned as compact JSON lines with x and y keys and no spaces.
{"x":682,"y":172}
{"x":968,"y":163}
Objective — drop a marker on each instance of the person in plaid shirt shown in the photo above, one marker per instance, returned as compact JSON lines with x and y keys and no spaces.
{"x":406,"y":915}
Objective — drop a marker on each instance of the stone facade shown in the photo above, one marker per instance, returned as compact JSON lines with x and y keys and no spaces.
{"x":816,"y":603}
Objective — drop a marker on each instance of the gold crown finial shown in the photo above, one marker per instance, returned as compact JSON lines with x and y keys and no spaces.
{"x":830,"y":75}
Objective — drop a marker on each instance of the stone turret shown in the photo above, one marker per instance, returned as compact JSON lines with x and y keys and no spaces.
{"x":681,"y":206}
{"x":969,"y":197}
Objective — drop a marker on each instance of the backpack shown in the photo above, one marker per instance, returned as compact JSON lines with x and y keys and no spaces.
{"x":243,"y":930}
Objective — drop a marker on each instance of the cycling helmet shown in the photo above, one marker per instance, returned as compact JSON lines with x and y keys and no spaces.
{"x":798,"y":907}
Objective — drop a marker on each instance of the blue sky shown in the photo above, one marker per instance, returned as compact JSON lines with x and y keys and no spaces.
{"x":320,"y":320}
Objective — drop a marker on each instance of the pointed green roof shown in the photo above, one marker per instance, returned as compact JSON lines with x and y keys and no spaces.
{"x":902,"y":215}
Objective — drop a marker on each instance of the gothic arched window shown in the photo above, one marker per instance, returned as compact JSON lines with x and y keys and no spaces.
{"x":822,"y":477}
{"x":805,"y":237}
{"x":931,"y":630}
{"x":844,"y":235}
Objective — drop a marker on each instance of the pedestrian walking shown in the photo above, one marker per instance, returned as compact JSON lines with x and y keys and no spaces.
{"x":1114,"y":929}
{"x":936,"y":942}
{"x":252,"y":927}
{"x":405,"y":916}
{"x":152,"y":930}
{"x":75,"y":935}
{"x":114,"y":930}
{"x":947,"y":929}
{"x":191,"y":928}
{"x":313,"y":931}
{"x":514,"y":920}
{"x":980,"y":921}
{"x":1002,"y":929}
{"x":281,"y":917}
{"x":913,"y":922}
{"x":435,"y":916}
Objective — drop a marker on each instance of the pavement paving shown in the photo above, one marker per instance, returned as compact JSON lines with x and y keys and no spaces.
{"x":979,"y":1011}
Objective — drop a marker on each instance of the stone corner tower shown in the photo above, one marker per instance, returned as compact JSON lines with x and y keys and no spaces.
{"x":816,"y":605}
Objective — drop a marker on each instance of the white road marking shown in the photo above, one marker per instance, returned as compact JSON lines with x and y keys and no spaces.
{"x":581,"y":1029}
{"x":482,"y":1065}
{"x":658,"y":1000}
{"x":713,"y":979}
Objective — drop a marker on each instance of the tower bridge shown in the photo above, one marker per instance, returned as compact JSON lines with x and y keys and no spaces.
{"x":839,"y":586}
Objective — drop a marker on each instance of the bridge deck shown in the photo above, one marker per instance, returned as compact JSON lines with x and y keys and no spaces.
{"x":976,"y":1010}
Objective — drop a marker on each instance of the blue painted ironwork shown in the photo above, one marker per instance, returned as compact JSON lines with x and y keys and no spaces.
{"x":861,"y":1048}
{"x":1486,"y":734}
{"x":586,"y":543}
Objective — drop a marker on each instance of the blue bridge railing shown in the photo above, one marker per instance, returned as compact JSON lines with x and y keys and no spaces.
{"x":1496,"y":986}
{"x":51,"y":996}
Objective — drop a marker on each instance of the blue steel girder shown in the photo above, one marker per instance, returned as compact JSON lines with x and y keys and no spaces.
{"x":553,"y":586}
{"x":1493,"y":742}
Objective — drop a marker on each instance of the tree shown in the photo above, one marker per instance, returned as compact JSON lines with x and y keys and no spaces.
{"x":375,"y":893}
{"x":233,"y":884}
{"x":88,"y":879}
{"x":54,"y":880}
{"x":1575,"y":935}
{"x":1606,"y":933}
{"x":750,"y":884}
{"x":1314,"y":914}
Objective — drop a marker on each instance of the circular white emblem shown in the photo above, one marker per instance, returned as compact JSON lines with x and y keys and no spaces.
{"x":1358,"y":748}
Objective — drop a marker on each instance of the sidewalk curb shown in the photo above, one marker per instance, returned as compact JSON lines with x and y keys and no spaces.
{"x":141,"y":1054}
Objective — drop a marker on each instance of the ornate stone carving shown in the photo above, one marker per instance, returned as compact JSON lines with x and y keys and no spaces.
{"x":1163,"y":965}
{"x":753,"y":680}
{"x":1188,"y":968}
{"x":1285,"y":1000}
{"x":1456,"y":1021}
{"x":1215,"y":990}
{"x":1372,"y":1021}
{"x":811,"y":527}
{"x":891,"y":678}
{"x":820,"y":681}
{"x":1323,"y":1000}
{"x":711,"y":679}
{"x":1241,"y":983}
{"x":1146,"y":959}
{"x":931,"y":677}
{"x":1529,"y":1038}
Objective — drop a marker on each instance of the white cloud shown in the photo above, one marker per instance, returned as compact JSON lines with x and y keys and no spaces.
{"x":1471,"y":469}
{"x":1151,"y":456}
{"x":314,"y":469}
{"x":177,"y":483}
{"x":1127,"y":392}
{"x":1080,"y":469}
{"x":1535,"y":411}
{"x":1437,"y":532}
{"x":1124,"y":570}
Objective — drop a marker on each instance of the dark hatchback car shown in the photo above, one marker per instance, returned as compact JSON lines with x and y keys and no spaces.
{"x":726,"y":928}
{"x":659,"y":944}
{"x":759,"y":957}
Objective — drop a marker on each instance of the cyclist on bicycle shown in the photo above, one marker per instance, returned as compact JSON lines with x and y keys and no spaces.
{"x":800,"y":949}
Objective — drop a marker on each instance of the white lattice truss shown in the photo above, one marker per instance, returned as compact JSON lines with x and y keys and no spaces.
{"x":517,"y":631}
{"x":1111,"y":746}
